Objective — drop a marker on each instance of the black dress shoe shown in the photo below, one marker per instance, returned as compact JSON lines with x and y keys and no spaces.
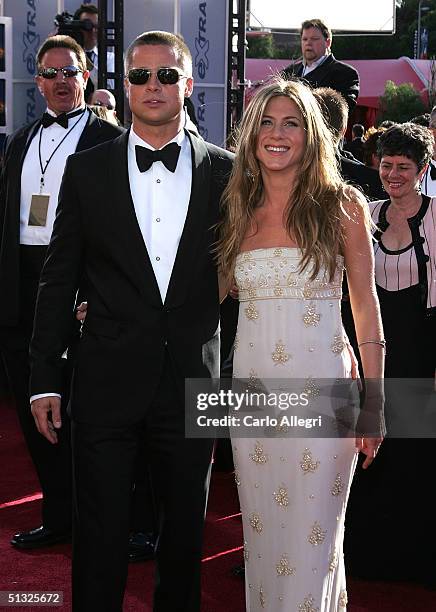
{"x":141,"y":547}
{"x":40,"y":537}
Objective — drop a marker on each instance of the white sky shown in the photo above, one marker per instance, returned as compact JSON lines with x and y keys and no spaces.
{"x":369,"y":15}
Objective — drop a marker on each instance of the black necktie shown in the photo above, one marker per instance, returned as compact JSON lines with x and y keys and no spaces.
{"x":62,"y":119}
{"x":432,"y":172}
{"x":168,"y":156}
{"x":91,"y":56}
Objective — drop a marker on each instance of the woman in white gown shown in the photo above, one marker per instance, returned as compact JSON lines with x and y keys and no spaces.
{"x":290,"y":226}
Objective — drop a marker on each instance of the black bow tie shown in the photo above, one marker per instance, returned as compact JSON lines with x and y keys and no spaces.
{"x":62,"y":119}
{"x":432,"y":172}
{"x":169,"y":156}
{"x":48,"y":120}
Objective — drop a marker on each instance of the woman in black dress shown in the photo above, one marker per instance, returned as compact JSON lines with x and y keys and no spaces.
{"x":391,"y":505}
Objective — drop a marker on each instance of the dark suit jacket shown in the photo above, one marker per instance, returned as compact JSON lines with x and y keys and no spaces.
{"x":128,"y":330}
{"x":356,"y":148}
{"x":356,"y":173}
{"x":95,"y":132}
{"x":331,"y":73}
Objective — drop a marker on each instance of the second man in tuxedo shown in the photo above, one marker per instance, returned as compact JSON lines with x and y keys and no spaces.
{"x":142,"y":234}
{"x":33,"y":166}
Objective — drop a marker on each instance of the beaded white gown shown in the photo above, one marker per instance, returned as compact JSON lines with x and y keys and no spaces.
{"x":292,"y":491}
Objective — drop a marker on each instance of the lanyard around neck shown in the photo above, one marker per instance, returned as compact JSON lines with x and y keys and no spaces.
{"x":44,"y":168}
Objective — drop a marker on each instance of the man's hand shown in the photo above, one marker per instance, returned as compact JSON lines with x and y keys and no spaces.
{"x":81,"y":311}
{"x":355,"y":375}
{"x":47,"y":425}
{"x":234,"y":291}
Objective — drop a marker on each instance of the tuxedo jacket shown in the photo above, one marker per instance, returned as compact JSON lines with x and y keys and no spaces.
{"x":95,"y":132}
{"x":128,"y":331}
{"x":331,"y":73}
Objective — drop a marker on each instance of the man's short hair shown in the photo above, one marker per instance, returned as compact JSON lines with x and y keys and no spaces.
{"x":168,"y":39}
{"x":60,"y":41}
{"x":358,"y":130}
{"x":334,"y":109}
{"x":317,"y":23}
{"x":86,"y":8}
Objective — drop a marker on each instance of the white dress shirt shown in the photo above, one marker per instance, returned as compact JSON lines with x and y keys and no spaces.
{"x":31,"y":174}
{"x":161,"y":200}
{"x":315,"y":64}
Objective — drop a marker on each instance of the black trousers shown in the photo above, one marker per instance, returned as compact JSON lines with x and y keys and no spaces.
{"x":52,"y":462}
{"x":143,"y":514}
{"x":104,"y":463}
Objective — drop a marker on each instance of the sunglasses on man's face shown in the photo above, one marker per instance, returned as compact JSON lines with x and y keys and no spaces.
{"x":166,"y":76}
{"x":67,"y":71}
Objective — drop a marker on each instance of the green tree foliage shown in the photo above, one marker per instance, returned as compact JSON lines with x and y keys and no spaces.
{"x":261,"y":47}
{"x":400,"y":103}
{"x":264,"y":47}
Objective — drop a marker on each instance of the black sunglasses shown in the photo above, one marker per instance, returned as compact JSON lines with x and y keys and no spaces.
{"x":67,"y":71}
{"x":166,"y":76}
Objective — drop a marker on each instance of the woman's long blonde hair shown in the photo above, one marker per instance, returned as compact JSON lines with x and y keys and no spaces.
{"x":312,"y":215}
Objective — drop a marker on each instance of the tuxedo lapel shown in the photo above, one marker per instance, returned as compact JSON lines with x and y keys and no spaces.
{"x":91,"y":133}
{"x":19,"y":148}
{"x":133,"y":245}
{"x":194,"y":227}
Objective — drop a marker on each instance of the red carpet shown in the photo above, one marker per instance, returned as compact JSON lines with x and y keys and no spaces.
{"x":49,"y":570}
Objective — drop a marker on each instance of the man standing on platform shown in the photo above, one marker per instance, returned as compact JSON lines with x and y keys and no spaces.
{"x":32,"y":170}
{"x":141,"y":233}
{"x":319,"y":66}
{"x":88,"y":13}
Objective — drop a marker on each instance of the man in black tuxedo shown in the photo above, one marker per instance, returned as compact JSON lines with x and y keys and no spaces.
{"x":319,"y":67}
{"x":142,"y":234}
{"x":32,"y":170}
{"x":355,"y":147}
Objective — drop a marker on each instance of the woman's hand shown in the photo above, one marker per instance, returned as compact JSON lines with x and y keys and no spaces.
{"x":371,"y":426}
{"x":369,"y":447}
